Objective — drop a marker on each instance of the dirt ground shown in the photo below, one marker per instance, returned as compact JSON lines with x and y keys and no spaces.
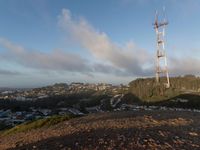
{"x":131,"y":130}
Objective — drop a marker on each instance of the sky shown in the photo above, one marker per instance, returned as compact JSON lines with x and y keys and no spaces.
{"x":44,"y":42}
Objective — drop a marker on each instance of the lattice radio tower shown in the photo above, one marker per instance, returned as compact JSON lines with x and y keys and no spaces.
{"x":161,"y":58}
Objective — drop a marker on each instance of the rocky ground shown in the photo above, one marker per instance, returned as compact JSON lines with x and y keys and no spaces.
{"x":115,"y":130}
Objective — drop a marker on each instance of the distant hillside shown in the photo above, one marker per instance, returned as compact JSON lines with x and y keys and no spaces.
{"x":148,"y":90}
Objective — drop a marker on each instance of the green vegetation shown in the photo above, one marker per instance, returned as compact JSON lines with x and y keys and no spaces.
{"x":47,"y":122}
{"x":129,"y":98}
{"x":191,"y":101}
{"x":148,"y":91}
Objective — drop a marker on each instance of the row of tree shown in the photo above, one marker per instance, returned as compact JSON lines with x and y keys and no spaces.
{"x":148,"y":90}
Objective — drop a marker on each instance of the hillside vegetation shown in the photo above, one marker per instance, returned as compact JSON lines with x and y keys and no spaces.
{"x":46,"y":122}
{"x":148,"y":90}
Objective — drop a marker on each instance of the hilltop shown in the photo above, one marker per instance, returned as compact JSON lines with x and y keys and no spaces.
{"x":47,"y":116}
{"x":148,"y":90}
{"x":114,"y":130}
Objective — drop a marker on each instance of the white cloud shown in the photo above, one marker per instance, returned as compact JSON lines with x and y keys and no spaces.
{"x":111,"y":59}
{"x":128,"y":59}
{"x":54,"y":60}
{"x":184,"y":65}
{"x":4,"y":72}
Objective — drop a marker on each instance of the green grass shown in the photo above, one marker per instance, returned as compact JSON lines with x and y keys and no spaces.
{"x":47,"y":122}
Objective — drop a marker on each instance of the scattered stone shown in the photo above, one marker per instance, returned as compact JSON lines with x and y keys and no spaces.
{"x":193,"y":133}
{"x":34,"y":147}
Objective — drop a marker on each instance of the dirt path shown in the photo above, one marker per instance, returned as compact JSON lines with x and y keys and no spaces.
{"x":116,"y":130}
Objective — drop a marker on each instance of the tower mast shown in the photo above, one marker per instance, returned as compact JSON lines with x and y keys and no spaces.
{"x":161,"y":58}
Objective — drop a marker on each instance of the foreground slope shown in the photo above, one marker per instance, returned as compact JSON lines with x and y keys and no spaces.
{"x":114,"y":130}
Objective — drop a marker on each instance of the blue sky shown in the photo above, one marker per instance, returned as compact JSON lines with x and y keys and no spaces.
{"x":47,"y":41}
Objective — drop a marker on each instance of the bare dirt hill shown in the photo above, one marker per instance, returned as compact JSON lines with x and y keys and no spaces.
{"x":114,"y":130}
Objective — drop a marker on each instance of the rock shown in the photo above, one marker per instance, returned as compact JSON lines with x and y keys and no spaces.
{"x":34,"y":147}
{"x":193,"y":133}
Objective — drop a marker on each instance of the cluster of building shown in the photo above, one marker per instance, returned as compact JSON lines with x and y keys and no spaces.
{"x":59,"y":89}
{"x":10,"y":118}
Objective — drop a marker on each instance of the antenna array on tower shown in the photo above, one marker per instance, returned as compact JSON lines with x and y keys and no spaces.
{"x":161,"y":69}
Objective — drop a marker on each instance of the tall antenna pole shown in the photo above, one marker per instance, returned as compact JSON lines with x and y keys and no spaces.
{"x":161,"y":54}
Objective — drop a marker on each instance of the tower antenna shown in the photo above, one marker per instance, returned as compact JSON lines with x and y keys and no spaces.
{"x":161,"y":69}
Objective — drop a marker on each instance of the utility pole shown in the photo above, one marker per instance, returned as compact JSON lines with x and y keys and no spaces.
{"x":161,"y":58}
